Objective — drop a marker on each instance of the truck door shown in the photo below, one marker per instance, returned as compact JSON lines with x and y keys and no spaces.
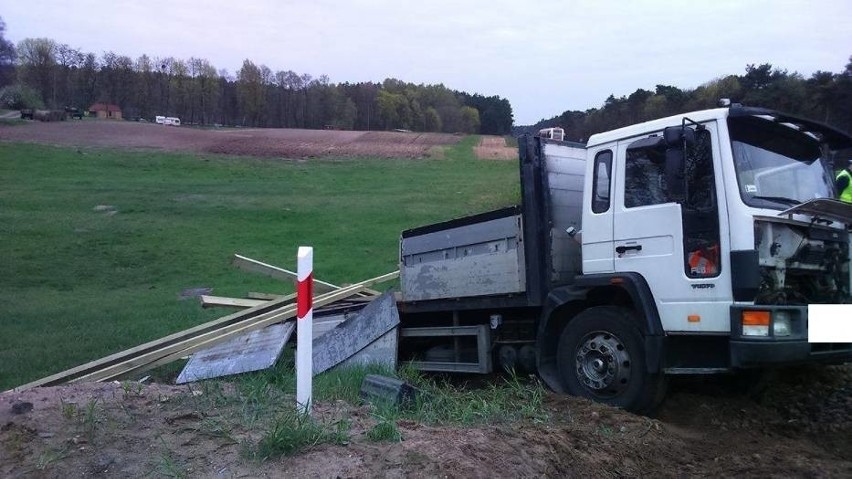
{"x":597,"y":227}
{"x":672,"y":238}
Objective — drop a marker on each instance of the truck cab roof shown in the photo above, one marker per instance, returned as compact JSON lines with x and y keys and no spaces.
{"x":835,"y":138}
{"x":655,"y":125}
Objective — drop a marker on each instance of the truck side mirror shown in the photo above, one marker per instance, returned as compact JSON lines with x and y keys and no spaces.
{"x":678,"y":136}
{"x":675,"y":173}
{"x":677,"y":139}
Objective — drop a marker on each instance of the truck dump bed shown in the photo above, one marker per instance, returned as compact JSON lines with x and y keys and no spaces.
{"x":480,"y":255}
{"x":486,"y":254}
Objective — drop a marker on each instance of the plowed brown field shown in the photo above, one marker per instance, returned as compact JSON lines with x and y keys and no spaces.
{"x":262,"y":142}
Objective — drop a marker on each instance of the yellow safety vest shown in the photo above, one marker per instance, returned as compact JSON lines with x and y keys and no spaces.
{"x":846,"y":194}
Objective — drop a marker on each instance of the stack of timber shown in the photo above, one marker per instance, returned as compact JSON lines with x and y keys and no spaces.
{"x":179,"y":345}
{"x":356,"y":330}
{"x":346,"y":335}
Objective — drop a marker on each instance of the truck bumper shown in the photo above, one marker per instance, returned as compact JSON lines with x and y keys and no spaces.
{"x":748,"y":350}
{"x":749,"y":354}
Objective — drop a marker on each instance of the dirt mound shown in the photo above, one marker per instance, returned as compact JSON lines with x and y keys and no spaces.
{"x":262,"y":142}
{"x":494,"y":148}
{"x":798,"y":426}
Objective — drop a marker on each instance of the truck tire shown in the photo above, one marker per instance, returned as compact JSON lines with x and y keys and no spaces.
{"x":601,"y":357}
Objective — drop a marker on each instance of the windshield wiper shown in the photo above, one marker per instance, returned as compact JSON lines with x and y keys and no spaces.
{"x":779,"y":199}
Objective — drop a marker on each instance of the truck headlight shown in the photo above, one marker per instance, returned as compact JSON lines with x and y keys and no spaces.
{"x":755,"y":323}
{"x":781,"y":324}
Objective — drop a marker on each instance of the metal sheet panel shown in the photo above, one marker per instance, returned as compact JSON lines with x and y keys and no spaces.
{"x":461,"y":236}
{"x":356,"y":333}
{"x":566,"y":169}
{"x":824,"y":208}
{"x":381,"y":351}
{"x":479,"y":275}
{"x":250,"y":352}
{"x":478,"y":259}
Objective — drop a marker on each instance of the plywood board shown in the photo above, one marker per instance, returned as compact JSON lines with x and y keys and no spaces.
{"x":254,"y":351}
{"x":356,"y":333}
{"x":382,"y":351}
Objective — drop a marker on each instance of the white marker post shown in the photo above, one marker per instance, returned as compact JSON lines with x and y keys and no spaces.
{"x":304,"y":328}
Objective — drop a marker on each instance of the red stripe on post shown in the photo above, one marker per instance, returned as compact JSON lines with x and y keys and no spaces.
{"x":304,"y":296}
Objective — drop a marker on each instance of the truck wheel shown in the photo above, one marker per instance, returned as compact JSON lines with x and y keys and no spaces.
{"x":601,"y":357}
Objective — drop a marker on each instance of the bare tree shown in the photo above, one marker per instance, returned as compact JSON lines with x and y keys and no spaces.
{"x":7,"y":57}
{"x":37,"y":59}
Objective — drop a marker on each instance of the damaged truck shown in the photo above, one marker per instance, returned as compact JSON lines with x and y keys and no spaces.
{"x":685,"y":245}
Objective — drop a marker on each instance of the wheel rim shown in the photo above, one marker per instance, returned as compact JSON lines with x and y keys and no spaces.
{"x":602,"y":364}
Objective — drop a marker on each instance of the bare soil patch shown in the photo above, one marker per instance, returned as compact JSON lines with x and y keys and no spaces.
{"x":801,"y":425}
{"x":494,"y":148}
{"x":262,"y":142}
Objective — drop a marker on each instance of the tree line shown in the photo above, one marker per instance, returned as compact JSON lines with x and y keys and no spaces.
{"x":42,"y":73}
{"x":824,"y":96}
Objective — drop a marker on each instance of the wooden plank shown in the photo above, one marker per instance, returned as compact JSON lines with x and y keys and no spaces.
{"x":177,"y":338}
{"x":250,"y":352}
{"x":188,"y":346}
{"x":153,"y":345}
{"x":191,"y":345}
{"x":266,"y":296}
{"x":254,"y":266}
{"x":208,"y":301}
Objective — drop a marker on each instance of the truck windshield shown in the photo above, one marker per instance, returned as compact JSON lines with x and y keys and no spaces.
{"x":777,"y":165}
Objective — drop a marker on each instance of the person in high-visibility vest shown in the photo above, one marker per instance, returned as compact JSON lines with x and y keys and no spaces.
{"x":843,"y":182}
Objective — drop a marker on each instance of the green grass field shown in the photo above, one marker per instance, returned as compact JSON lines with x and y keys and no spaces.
{"x":96,"y":245}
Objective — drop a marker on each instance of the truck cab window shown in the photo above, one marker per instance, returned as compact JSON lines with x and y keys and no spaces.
{"x":601,"y":182}
{"x":644,"y":177}
{"x":700,"y":213}
{"x":777,"y":165}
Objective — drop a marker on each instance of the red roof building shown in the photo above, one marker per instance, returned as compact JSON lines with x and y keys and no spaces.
{"x":103,"y":110}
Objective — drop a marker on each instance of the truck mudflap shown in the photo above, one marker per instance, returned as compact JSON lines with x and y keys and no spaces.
{"x":764,"y":335}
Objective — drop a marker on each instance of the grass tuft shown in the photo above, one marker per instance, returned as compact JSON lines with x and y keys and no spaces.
{"x":513,"y":399}
{"x":294,"y":431}
{"x":385,"y":430}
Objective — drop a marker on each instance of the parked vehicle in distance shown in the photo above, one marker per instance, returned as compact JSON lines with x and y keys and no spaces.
{"x":692,"y":244}
{"x":74,"y":112}
{"x":167,"y":120}
{"x":554,"y":133}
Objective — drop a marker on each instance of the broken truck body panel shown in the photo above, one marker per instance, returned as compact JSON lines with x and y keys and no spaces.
{"x":831,"y":209}
{"x":667,"y":247}
{"x":480,"y":255}
{"x":565,"y":164}
{"x":486,"y":254}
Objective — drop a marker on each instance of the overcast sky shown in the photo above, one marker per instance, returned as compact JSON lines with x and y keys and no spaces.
{"x":544,"y":57}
